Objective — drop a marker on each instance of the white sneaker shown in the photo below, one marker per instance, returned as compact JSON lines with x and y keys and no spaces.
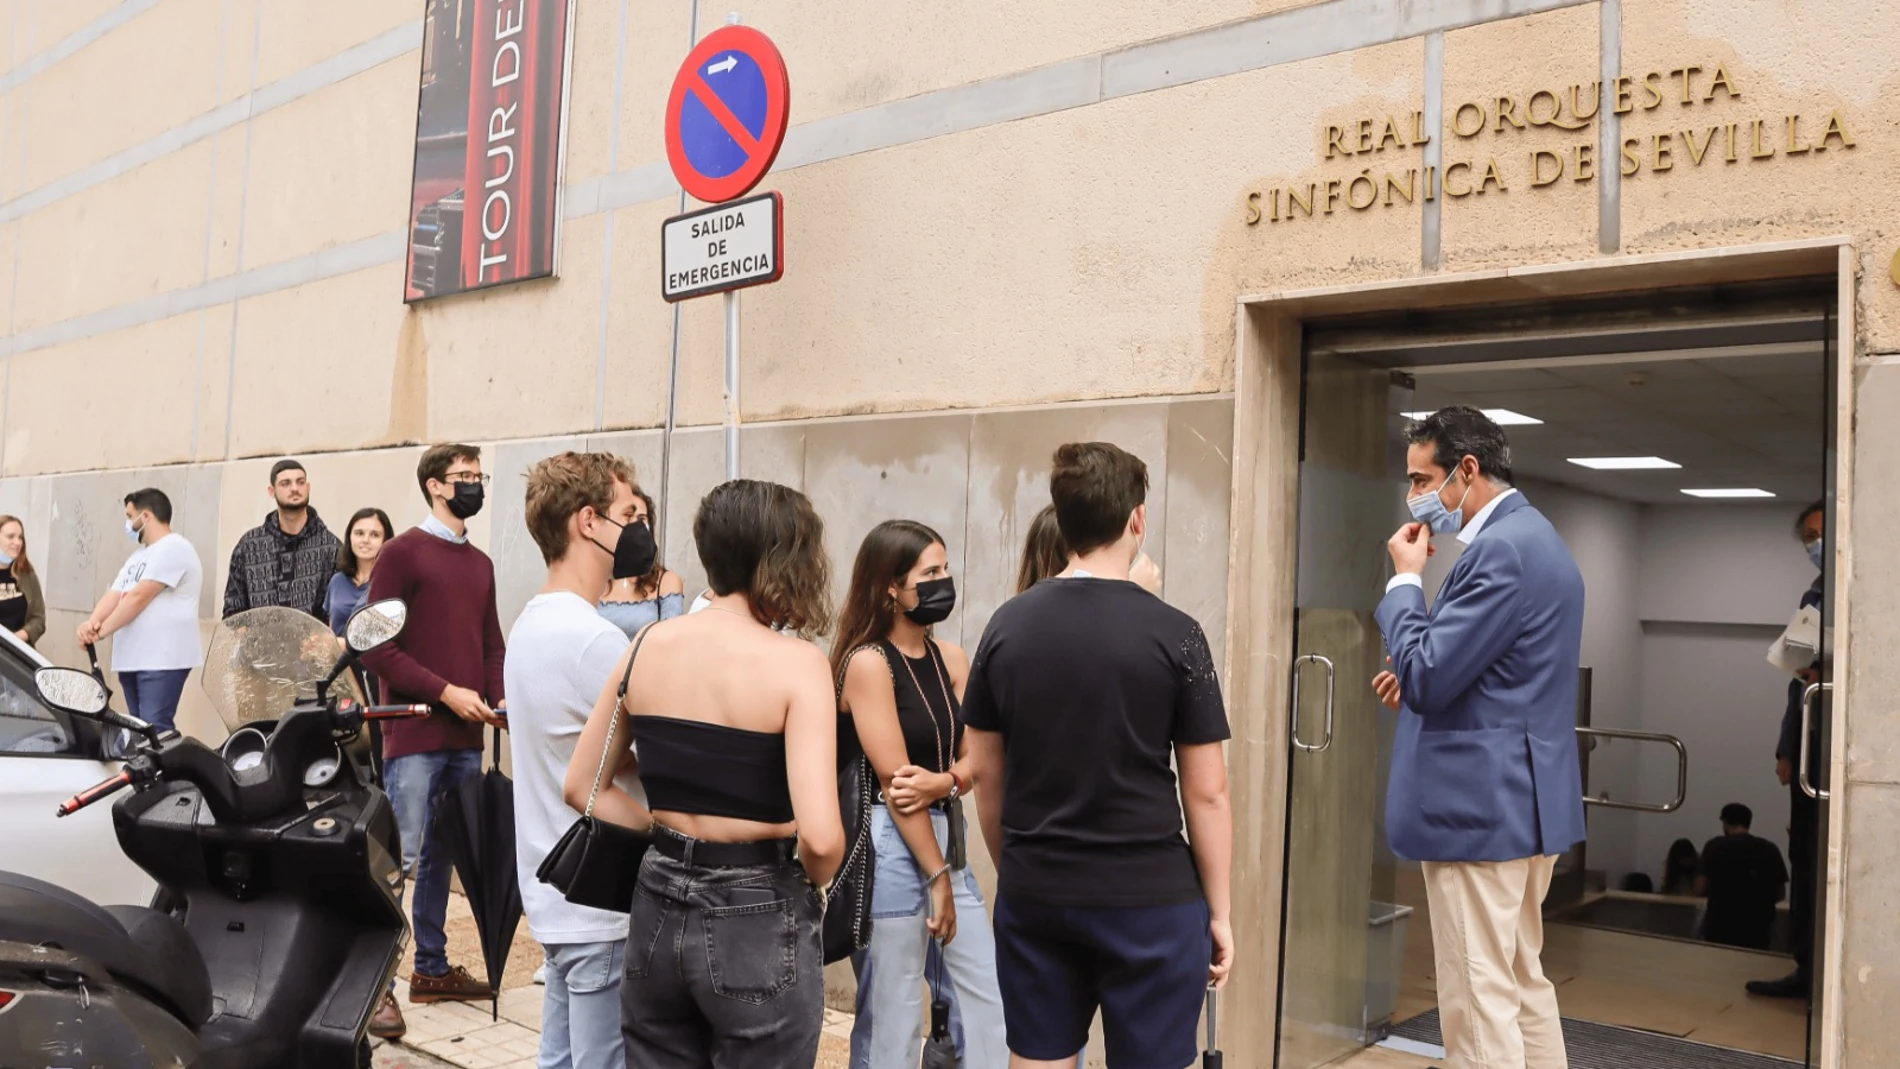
{"x":541,"y":974}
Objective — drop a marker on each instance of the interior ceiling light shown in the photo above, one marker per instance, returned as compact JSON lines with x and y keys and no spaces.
{"x":1503,"y":417}
{"x":1624,"y":463}
{"x":1736,"y":491}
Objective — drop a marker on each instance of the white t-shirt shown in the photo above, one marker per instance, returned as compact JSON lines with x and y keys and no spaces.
{"x":165,"y":635}
{"x":560,"y":655}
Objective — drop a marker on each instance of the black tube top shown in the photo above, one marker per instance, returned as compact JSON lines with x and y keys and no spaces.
{"x":713,"y":770}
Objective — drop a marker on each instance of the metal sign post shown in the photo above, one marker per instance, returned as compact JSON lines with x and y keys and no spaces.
{"x":732,"y":385}
{"x":725,"y":120}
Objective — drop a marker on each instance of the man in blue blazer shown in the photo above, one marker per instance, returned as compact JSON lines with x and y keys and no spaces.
{"x":1485,"y":787}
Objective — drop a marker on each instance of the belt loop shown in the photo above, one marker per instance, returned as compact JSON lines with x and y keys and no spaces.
{"x":690,"y":843}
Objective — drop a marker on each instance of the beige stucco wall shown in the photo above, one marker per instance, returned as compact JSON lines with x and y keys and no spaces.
{"x":1026,"y":227}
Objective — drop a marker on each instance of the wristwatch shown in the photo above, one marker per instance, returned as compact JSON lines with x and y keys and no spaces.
{"x":956,"y":786}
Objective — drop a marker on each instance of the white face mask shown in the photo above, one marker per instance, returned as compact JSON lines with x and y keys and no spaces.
{"x":134,"y":532}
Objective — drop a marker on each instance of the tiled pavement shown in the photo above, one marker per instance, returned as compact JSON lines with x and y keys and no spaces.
{"x":465,"y":1035}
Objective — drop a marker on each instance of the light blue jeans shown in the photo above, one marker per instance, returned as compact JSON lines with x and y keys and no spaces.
{"x":894,"y":1027}
{"x":580,"y":1014}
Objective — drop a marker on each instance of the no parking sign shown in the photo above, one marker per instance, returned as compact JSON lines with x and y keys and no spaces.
{"x":726,"y":116}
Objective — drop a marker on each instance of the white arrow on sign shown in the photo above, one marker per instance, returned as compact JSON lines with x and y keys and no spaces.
{"x":724,"y":65}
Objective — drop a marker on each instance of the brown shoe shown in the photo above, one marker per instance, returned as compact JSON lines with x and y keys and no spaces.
{"x":456,"y":985}
{"x":386,"y":1022}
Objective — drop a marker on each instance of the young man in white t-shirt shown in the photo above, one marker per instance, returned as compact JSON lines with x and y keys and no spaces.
{"x":152,"y":609}
{"x":561,"y":659}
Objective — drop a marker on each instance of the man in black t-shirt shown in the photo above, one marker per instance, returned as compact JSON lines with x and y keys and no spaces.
{"x":1743,"y":878}
{"x":1081,"y":694}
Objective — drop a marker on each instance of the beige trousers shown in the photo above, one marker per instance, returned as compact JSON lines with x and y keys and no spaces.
{"x":1496,"y":1007}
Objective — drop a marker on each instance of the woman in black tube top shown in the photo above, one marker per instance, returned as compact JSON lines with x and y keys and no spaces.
{"x":736,"y":730}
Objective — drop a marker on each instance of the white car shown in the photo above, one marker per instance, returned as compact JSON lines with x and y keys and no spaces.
{"x":46,"y":757}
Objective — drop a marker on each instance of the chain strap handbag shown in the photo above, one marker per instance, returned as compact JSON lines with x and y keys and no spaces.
{"x":847,"y":927}
{"x":597,"y":863}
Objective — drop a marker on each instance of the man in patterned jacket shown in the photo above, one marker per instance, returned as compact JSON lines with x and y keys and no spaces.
{"x":289,"y":558}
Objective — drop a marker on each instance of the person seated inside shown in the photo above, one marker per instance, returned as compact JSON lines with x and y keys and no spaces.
{"x":1679,"y":871}
{"x":1743,"y":877}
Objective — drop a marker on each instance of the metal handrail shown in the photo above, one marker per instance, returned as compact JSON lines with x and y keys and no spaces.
{"x":1313,"y":658}
{"x":1682,"y":769}
{"x":1819,"y":794}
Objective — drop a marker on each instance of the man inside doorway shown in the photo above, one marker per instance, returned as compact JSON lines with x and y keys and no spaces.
{"x":288,"y":559}
{"x":1803,"y":812}
{"x":1743,"y":878}
{"x":1485,"y":785}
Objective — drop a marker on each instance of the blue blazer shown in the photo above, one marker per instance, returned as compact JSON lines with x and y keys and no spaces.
{"x":1485,"y":764}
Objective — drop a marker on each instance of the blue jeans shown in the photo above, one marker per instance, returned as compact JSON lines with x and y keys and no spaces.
{"x":580,"y":1013}
{"x":899,"y":950}
{"x":153,"y":696}
{"x":414,"y":782}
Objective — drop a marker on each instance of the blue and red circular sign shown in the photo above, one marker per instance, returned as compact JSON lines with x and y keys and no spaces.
{"x":727,"y":114}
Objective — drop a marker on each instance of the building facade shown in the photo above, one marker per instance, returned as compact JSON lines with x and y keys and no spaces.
{"x":1007,"y":226}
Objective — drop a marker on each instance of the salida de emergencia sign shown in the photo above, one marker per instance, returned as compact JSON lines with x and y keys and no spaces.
{"x":725,"y":247}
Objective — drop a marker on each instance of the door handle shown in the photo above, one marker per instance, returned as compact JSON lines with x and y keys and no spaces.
{"x":1801,"y":770}
{"x":1682,"y":769}
{"x":1312,"y":658}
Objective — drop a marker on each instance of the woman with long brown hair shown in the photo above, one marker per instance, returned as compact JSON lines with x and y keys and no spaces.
{"x":903,"y":691}
{"x":736,"y":729}
{"x":22,"y":606}
{"x":1045,"y":556}
{"x":660,"y":594}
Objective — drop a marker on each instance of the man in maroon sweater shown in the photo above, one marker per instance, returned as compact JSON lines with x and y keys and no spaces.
{"x":449,"y":654}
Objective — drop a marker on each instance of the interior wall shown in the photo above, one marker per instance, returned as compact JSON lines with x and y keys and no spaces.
{"x":1717,"y":585}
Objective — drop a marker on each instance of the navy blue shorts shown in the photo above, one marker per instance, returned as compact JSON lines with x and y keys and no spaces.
{"x":1144,"y":967}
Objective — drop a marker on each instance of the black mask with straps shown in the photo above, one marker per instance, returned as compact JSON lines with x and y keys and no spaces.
{"x":467,"y":500}
{"x":936,"y":600}
{"x":633,"y":552}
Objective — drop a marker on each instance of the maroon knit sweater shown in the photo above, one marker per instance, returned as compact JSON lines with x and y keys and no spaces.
{"x":453,"y":635}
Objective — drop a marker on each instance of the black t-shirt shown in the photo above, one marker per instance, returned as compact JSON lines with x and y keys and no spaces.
{"x":1745,"y":877}
{"x":1092,"y":683}
{"x":12,"y":601}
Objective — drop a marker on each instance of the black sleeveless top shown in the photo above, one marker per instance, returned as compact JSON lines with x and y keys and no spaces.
{"x":712,"y":770}
{"x":927,"y":706}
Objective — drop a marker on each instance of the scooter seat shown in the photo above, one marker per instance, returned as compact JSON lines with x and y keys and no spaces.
{"x":145,"y":948}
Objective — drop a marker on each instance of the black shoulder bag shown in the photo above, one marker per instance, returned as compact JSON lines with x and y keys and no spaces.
{"x":847,"y":928}
{"x":597,"y":863}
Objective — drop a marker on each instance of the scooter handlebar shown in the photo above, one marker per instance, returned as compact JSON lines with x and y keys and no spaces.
{"x":395,"y":712}
{"x":92,"y":794}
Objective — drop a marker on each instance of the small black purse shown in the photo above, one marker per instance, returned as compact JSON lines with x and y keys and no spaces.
{"x":597,"y":863}
{"x":847,"y":925}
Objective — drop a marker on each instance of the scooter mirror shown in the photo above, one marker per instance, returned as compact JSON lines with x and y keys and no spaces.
{"x":72,"y":690}
{"x":375,"y":625}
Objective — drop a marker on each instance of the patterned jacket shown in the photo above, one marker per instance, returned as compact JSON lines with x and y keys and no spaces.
{"x":269,"y":567}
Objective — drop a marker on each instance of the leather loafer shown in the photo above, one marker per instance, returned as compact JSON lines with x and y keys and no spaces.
{"x":456,"y":985}
{"x":387,"y":1022}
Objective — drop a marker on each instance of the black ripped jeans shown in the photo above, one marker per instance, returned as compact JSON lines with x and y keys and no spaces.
{"x":725,"y":969}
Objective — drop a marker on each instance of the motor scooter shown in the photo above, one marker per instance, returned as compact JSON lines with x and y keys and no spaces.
{"x":278,"y":866}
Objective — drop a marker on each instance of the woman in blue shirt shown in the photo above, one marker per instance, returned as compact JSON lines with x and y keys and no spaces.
{"x":349,"y":589}
{"x":631,"y":604}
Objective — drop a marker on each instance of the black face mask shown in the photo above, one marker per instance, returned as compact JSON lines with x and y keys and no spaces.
{"x":467,"y":500}
{"x":936,"y":599}
{"x":633,"y":551}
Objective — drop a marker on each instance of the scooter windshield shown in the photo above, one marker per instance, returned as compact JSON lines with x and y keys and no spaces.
{"x":263,"y":661}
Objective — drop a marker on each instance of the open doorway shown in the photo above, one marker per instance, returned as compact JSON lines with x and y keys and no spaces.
{"x":1673,"y":439}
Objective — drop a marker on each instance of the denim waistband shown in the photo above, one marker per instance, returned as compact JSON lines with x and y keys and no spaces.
{"x":699,"y":853}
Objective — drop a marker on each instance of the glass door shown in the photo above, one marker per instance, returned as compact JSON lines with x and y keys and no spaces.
{"x":1814,"y":771}
{"x":1338,"y":981}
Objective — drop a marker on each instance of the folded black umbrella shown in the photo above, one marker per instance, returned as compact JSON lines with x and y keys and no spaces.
{"x":1211,"y":1058}
{"x":476,"y":818}
{"x":940,"y":1051}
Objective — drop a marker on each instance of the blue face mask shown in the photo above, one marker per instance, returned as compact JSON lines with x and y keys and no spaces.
{"x":1815,"y":549}
{"x":1429,"y":509}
